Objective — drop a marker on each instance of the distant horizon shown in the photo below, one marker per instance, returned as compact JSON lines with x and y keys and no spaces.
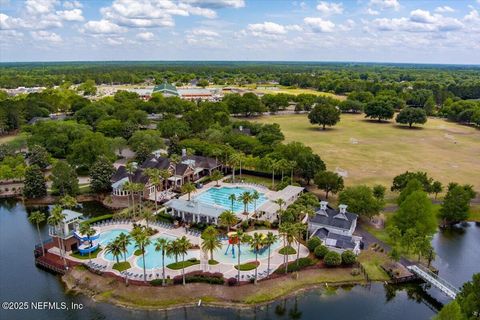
{"x":245,"y":61}
{"x":434,"y":32}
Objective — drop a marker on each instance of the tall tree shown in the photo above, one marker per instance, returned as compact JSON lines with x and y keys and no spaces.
{"x":329,"y":182}
{"x":361,"y":201}
{"x":256,"y":243}
{"x":34,"y":183}
{"x":324,"y":115}
{"x":379,"y":109}
{"x":37,"y":218}
{"x":39,"y":156}
{"x":100,"y":173}
{"x":416,"y":212}
{"x":469,"y":298}
{"x":161,"y":244}
{"x":227,"y":219}
{"x":456,"y":205}
{"x":411,"y":115}
{"x":64,"y":179}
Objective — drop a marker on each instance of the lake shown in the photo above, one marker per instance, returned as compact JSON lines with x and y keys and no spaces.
{"x":458,"y":257}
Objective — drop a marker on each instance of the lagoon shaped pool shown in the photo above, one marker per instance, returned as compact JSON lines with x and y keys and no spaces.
{"x":153,"y":259}
{"x":219,"y":197}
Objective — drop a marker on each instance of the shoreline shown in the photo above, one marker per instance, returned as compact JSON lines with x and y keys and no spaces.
{"x":108,"y":290}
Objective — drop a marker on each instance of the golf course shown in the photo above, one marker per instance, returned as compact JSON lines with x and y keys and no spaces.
{"x":369,"y":152}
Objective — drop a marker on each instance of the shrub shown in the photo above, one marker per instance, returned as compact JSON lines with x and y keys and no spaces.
{"x":287,"y":250}
{"x":320,"y":251}
{"x":156,"y":282}
{"x":292,"y":266}
{"x":232,"y":281}
{"x":348,"y":257}
{"x":355,"y":272}
{"x":99,"y":218}
{"x":313,"y":243}
{"x":332,"y":259}
{"x":198,"y":276}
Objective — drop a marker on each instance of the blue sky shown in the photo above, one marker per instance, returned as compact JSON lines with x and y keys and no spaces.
{"x":358,"y":30}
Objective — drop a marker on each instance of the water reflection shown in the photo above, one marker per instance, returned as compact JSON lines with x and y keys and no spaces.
{"x":458,"y":258}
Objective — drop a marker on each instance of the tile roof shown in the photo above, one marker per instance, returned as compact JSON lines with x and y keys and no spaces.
{"x":334,"y":239}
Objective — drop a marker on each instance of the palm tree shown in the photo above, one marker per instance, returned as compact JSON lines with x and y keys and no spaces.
{"x":183,"y":246}
{"x":216,"y":176}
{"x":299,"y":228}
{"x":154,"y":178}
{"x":148,"y":215}
{"x":141,"y":241}
{"x":139,"y":188}
{"x":161,"y":245}
{"x":227,"y":219}
{"x":287,"y":230}
{"x":283,"y":165}
{"x":124,"y":240}
{"x":292,"y":166}
{"x":172,"y":250}
{"x":128,"y":186}
{"x":233,"y":160}
{"x":38,"y":217}
{"x":210,"y":241}
{"x":55,"y":219}
{"x":175,"y":159}
{"x":280,"y":203}
{"x":239,"y":236}
{"x":86,"y":229}
{"x":188,"y":188}
{"x":270,"y":239}
{"x":115,"y":249}
{"x":232,"y":198}
{"x":256,"y":243}
{"x":68,"y":202}
{"x":255,"y":197}
{"x":246,"y":198}
{"x":164,"y":174}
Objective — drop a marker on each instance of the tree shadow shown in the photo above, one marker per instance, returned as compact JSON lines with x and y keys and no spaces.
{"x":319,"y":129}
{"x":406,"y":127}
{"x":376,"y":121}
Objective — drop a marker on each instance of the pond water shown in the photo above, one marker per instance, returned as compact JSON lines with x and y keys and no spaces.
{"x":458,"y":258}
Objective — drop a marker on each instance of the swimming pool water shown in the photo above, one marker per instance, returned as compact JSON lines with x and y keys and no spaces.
{"x":153,"y":259}
{"x":246,"y":253}
{"x":219,"y":197}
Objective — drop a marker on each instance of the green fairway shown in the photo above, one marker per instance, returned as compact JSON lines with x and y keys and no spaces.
{"x":368,"y":152}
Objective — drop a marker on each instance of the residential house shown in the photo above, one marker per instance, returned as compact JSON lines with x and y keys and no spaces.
{"x":335,"y":228}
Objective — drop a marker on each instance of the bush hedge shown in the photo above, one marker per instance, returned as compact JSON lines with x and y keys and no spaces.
{"x":198,"y":276}
{"x":332,"y":259}
{"x":287,"y":250}
{"x":232,"y":281}
{"x":99,"y":218}
{"x":321,"y":251}
{"x":313,"y":243}
{"x":348,"y":257}
{"x":292,"y":266}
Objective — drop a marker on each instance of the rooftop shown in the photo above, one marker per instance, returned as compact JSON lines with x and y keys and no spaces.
{"x":328,"y":216}
{"x":71,"y":215}
{"x":195,"y":207}
{"x":166,"y":88}
{"x":335,"y":240}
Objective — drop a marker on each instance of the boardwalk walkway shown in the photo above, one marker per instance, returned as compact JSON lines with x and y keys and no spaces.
{"x":434,"y":280}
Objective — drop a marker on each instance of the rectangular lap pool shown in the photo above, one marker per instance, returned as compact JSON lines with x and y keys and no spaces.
{"x":220,"y":197}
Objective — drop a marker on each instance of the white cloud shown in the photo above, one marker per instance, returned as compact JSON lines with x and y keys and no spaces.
{"x":40,"y":6}
{"x":347,"y":25}
{"x":266,"y":29}
{"x":385,"y":4}
{"x":372,"y":12}
{"x":9,"y":23}
{"x":103,"y":27}
{"x":444,"y":9}
{"x":115,"y":41}
{"x":329,"y":8}
{"x":71,"y":15}
{"x":419,"y":21}
{"x":72,"y":5}
{"x":217,"y":4}
{"x":146,"y":36}
{"x":204,"y":32}
{"x":319,"y":24}
{"x":43,"y":35}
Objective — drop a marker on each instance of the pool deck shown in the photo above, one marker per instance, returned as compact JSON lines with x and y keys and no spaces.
{"x":227,"y":269}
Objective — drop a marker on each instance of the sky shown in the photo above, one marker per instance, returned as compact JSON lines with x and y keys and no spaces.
{"x":247,"y":30}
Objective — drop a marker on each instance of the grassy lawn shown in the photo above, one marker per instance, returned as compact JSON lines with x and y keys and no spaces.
{"x":286,"y":285}
{"x":137,"y":252}
{"x":121,"y":266}
{"x":371,"y":261}
{"x":297,"y":91}
{"x":287,"y":250}
{"x":474,"y":214}
{"x":6,"y":139}
{"x":85,"y":257}
{"x":212,"y":262}
{"x":180,"y":264}
{"x":267,"y":182}
{"x":247,"y":266}
{"x":447,"y":151}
